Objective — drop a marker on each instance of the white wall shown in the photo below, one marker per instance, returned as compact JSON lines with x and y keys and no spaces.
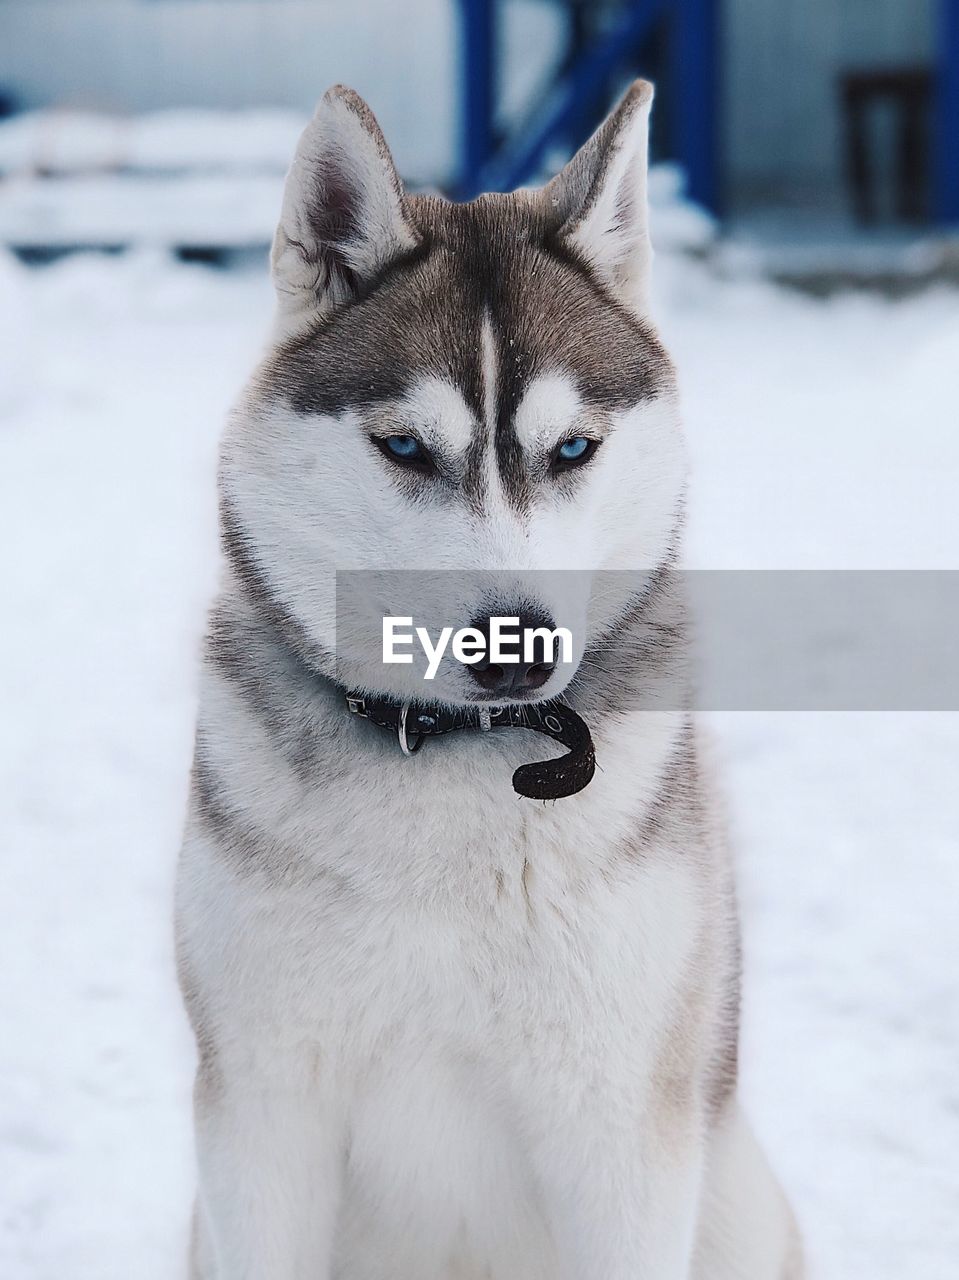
{"x":135,"y":55}
{"x":782,"y":59}
{"x":138,"y":55}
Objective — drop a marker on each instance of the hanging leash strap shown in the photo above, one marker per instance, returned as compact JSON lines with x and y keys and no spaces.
{"x":413,"y":723}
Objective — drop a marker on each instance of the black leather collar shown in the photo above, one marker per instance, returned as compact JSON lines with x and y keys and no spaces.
{"x":414,"y":722}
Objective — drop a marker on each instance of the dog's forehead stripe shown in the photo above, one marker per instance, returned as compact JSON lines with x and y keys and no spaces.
{"x":490,"y":372}
{"x":514,"y":371}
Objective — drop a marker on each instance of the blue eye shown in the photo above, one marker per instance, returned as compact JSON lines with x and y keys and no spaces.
{"x":407,"y":448}
{"x":573,"y":449}
{"x":406,"y":451}
{"x":577,"y":449}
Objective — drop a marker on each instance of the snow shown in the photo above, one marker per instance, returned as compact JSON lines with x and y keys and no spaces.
{"x":194,"y":178}
{"x":70,"y":142}
{"x":143,"y":210}
{"x":822,"y":434}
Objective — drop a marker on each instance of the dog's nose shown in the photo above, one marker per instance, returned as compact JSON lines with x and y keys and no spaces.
{"x":534,"y":666}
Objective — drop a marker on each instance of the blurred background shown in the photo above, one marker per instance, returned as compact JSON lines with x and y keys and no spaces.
{"x":805,"y":197}
{"x":820,"y":127}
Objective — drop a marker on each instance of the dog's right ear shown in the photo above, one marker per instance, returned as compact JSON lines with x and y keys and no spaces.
{"x":600,"y":200}
{"x":342,"y":220}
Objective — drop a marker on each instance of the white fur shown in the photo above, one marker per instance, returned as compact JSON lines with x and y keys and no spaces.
{"x":551,"y":409}
{"x":439,"y":1032}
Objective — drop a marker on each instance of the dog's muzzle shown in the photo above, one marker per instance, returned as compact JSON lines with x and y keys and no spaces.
{"x":414,"y":722}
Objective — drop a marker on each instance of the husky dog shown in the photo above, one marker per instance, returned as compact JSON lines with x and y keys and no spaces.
{"x":444,"y":1030}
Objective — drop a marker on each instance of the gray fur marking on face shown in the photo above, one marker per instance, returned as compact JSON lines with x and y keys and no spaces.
{"x":499,"y":260}
{"x":264,"y":672}
{"x":260,"y":592}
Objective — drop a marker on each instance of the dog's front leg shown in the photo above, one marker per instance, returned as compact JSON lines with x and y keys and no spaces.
{"x":622,"y":1196}
{"x":270,"y":1168}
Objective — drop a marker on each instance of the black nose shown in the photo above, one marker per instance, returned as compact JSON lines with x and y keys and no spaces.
{"x":534,"y":666}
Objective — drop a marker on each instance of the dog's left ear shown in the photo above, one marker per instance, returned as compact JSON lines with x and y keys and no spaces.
{"x":600,"y":199}
{"x":342,"y":219}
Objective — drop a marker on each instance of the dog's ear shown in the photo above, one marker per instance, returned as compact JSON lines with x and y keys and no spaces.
{"x":600,"y":199}
{"x":342,"y":219}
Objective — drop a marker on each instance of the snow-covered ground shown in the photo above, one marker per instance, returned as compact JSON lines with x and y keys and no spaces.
{"x":822,"y":434}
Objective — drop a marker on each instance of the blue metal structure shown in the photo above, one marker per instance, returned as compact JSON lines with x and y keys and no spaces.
{"x":686,"y":36}
{"x":693,"y":71}
{"x":479,"y":45}
{"x":687,"y":28}
{"x":946,"y":156}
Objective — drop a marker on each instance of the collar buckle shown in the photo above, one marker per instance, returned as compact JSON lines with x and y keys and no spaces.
{"x":406,"y":746}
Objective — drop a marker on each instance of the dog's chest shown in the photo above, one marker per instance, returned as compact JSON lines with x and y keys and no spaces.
{"x":510,"y":945}
{"x":466,"y":1027}
{"x":456,"y":967}
{"x":439,"y":908}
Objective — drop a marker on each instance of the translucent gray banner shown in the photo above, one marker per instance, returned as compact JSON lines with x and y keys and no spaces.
{"x":718,"y":640}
